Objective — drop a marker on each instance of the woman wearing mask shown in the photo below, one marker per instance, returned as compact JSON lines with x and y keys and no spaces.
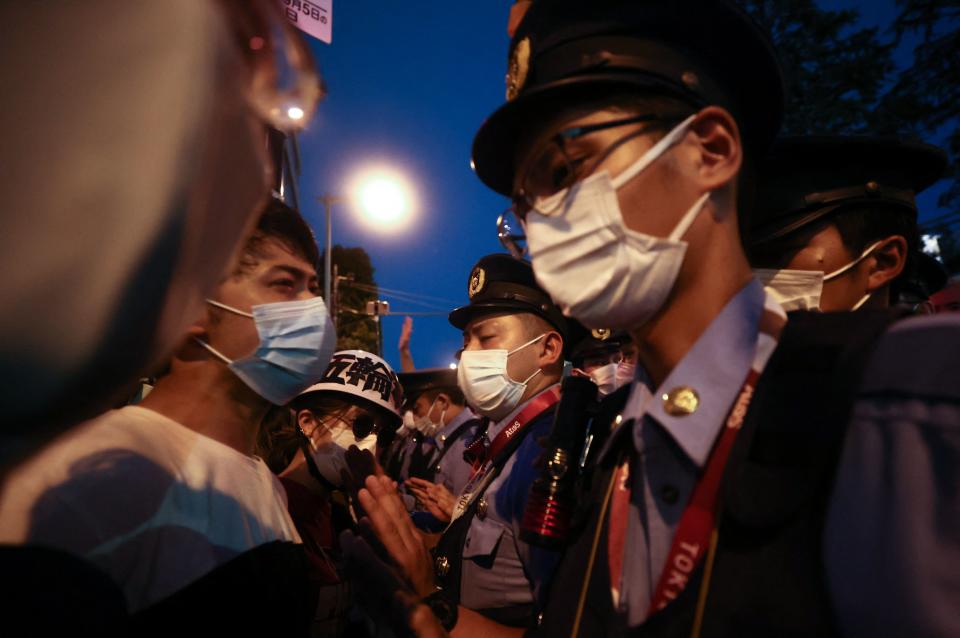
{"x":357,"y":399}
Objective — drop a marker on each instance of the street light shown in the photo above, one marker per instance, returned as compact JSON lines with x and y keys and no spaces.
{"x":384,"y":198}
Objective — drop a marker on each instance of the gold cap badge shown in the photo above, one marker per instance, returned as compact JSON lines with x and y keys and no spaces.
{"x":477,"y":278}
{"x":518,"y":68}
{"x":681,"y":401}
{"x":601,"y":333}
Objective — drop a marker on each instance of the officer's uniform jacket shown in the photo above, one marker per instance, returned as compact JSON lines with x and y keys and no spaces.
{"x":786,"y":534}
{"x":452,"y":471}
{"x":498,"y":570}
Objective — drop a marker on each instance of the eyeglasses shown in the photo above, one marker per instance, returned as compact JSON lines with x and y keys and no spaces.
{"x":511,"y":236}
{"x":284,"y":86}
{"x":545,"y":179}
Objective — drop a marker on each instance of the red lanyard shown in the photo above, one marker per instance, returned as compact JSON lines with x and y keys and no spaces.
{"x":692,"y":538}
{"x":535,"y":408}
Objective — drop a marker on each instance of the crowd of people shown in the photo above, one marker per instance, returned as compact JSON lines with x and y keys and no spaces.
{"x":713,"y":390}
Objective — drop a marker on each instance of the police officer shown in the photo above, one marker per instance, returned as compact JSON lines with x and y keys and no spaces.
{"x":624,"y":144}
{"x":483,"y":577}
{"x":446,"y":424}
{"x":609,"y":359}
{"x":835,"y":226}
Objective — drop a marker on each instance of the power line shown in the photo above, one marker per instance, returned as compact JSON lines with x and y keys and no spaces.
{"x":414,"y":295}
{"x":402,"y":296}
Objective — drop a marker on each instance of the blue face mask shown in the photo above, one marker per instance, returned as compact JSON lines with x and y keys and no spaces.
{"x":297,"y":339}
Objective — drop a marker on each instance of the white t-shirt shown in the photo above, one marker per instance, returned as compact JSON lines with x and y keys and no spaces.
{"x":151,"y":502}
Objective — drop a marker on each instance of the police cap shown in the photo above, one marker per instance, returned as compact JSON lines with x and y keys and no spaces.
{"x":502,"y":283}
{"x":417,"y":382}
{"x":700,"y":51}
{"x":803,"y":179}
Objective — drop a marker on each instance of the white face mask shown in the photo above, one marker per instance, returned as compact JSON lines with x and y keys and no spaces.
{"x":606,"y":378}
{"x":626,"y":373}
{"x":595,"y":268}
{"x":297,"y":340}
{"x":801,"y":289}
{"x":425,"y":426}
{"x":409,"y":421}
{"x":331,"y":458}
{"x":482,"y":376}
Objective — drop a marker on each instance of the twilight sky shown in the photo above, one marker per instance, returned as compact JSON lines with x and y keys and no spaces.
{"x":409,"y":83}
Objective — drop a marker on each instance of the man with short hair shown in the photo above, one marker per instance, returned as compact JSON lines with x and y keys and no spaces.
{"x":835,"y":223}
{"x":626,"y":144}
{"x":483,"y":578}
{"x":160,"y":494}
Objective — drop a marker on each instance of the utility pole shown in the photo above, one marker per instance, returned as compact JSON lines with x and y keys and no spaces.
{"x":334,"y":303}
{"x":328,"y":201}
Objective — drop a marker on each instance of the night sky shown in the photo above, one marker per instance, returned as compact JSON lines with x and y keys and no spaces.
{"x":408,"y":88}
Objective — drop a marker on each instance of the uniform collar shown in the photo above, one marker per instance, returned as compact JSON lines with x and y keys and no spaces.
{"x":465,"y":415}
{"x":715,"y":368}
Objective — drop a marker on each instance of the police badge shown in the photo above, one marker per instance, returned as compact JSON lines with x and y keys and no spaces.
{"x":477,"y":278}
{"x":519,"y":66}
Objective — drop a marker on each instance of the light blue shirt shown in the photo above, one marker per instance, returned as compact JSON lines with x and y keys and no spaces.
{"x":671,"y":450}
{"x":499,"y":569}
{"x":453,"y":472}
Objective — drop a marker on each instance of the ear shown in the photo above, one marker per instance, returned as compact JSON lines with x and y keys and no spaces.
{"x":551,"y":350}
{"x":888,"y":261}
{"x":307,"y":422}
{"x":443,"y":401}
{"x":720,"y":148}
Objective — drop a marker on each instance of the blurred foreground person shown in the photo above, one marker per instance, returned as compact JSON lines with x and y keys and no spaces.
{"x":133,"y":166}
{"x":162,"y":494}
{"x":835,"y":225}
{"x":357,"y":398}
{"x":134,"y":181}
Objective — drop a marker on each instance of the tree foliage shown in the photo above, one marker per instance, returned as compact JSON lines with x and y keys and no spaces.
{"x":926,"y":95}
{"x":834,"y":71}
{"x":843,"y":78}
{"x":355,"y":331}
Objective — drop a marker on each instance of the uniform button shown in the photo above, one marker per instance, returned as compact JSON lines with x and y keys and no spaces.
{"x":681,"y":401}
{"x":442,"y":566}
{"x":669,"y":494}
{"x":482,"y":508}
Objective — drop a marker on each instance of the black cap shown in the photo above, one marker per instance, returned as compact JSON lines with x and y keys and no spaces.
{"x":803,"y":179}
{"x":503,"y":283}
{"x":701,"y":51}
{"x":417,"y":382}
{"x":598,"y":341}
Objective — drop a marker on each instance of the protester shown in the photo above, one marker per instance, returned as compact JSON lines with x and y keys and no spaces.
{"x":356,"y":398}
{"x":134,"y":182}
{"x":161,"y":494}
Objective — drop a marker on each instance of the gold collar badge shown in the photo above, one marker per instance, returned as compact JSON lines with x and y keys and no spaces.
{"x":519,"y":66}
